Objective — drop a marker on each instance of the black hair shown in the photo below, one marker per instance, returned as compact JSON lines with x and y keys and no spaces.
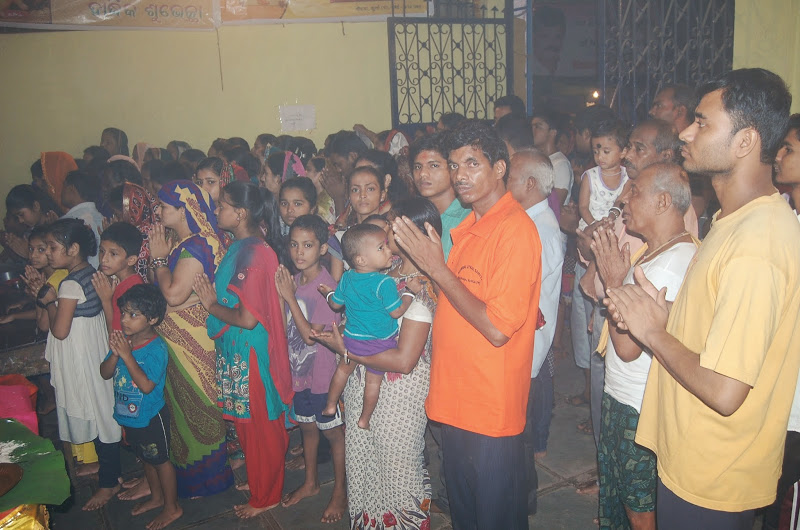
{"x":95,"y":151}
{"x":618,"y":130}
{"x":303,"y":184}
{"x":352,"y":239}
{"x":420,"y":211}
{"x":376,"y":217}
{"x":480,"y":136}
{"x":246,"y":160}
{"x":74,"y":231}
{"x":25,"y":195}
{"x":757,"y":98}
{"x":266,"y":139}
{"x":85,"y":184}
{"x":318,"y":162}
{"x":192,"y":156}
{"x":550,"y":117}
{"x":121,"y":137}
{"x":589,"y":117}
{"x":432,"y":142}
{"x":794,"y":124}
{"x":220,"y":145}
{"x":303,"y":147}
{"x":387,"y":165}
{"x":275,"y":163}
{"x":180,"y":145}
{"x":213,"y":163}
{"x":262,"y":210}
{"x":314,"y":224}
{"x":114,"y":198}
{"x":39,"y":232}
{"x":451,"y":120}
{"x":174,"y":170}
{"x":515,"y":130}
{"x":283,"y":142}
{"x":380,"y":177}
{"x":666,"y":137}
{"x":515,"y":103}
{"x":549,"y":17}
{"x":147,"y":299}
{"x":125,"y":235}
{"x":122,"y":171}
{"x":37,"y":171}
{"x":684,"y":96}
{"x":345,"y":142}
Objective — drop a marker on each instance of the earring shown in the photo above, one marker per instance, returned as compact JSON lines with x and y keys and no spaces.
{"x":238,"y":217}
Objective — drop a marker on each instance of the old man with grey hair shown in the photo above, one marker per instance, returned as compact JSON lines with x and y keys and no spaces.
{"x":530,"y":180}
{"x":654,"y":209}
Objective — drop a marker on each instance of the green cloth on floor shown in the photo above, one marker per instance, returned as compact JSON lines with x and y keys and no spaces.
{"x":45,"y":479}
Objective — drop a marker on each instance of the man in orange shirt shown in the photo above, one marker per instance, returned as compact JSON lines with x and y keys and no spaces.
{"x":483,"y":334}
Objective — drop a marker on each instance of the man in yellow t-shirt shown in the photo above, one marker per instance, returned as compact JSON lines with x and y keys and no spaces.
{"x":718,"y":396}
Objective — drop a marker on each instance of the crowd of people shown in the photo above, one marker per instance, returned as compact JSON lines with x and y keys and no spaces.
{"x":385,"y":289}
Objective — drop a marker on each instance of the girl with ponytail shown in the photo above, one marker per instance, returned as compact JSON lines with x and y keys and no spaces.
{"x":245,"y":321}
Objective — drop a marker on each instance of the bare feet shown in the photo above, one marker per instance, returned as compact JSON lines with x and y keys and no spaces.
{"x":363,"y":424}
{"x":132,"y":482}
{"x":296,"y":450}
{"x":298,"y":462}
{"x":146,"y":506}
{"x":589,"y":488}
{"x":244,"y":486}
{"x":299,"y":494}
{"x":137,"y":491}
{"x":165,"y":518}
{"x":100,"y":498}
{"x":85,"y":470}
{"x":236,"y":463}
{"x":245,"y":511}
{"x":336,"y":508}
{"x":538,"y":456}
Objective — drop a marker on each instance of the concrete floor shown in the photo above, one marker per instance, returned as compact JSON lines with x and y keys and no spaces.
{"x":570,"y":461}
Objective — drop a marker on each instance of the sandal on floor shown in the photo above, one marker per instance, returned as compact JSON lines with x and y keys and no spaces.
{"x":585,"y":427}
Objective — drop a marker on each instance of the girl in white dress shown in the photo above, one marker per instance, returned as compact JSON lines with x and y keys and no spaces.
{"x":76,"y":345}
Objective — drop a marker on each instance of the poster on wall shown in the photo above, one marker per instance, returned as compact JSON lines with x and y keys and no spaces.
{"x":254,"y":10}
{"x":135,"y":13}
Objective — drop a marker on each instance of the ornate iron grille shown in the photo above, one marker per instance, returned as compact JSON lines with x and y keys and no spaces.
{"x":648,"y":43}
{"x":459,"y":63}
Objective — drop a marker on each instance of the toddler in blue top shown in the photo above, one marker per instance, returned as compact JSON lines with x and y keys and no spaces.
{"x":372,"y":306}
{"x":138,"y":363}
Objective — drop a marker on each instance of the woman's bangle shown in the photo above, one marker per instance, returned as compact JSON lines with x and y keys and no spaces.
{"x":616,"y":211}
{"x":43,"y":291}
{"x":346,"y":357}
{"x":158,"y":262}
{"x":328,"y":299}
{"x":409,"y":293}
{"x":48,"y":304}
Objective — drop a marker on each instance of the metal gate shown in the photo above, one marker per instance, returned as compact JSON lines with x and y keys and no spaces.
{"x":645,"y":44}
{"x":457,"y":59}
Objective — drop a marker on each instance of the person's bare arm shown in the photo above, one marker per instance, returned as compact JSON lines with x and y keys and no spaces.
{"x":104,"y":286}
{"x":325,"y":290}
{"x":403,"y":359}
{"x":286,"y":290}
{"x":583,"y":201}
{"x":121,"y":348}
{"x":235,"y":316}
{"x":427,"y":253}
{"x":644,"y":311}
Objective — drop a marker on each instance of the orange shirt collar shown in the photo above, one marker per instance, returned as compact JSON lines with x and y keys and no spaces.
{"x":484,"y":226}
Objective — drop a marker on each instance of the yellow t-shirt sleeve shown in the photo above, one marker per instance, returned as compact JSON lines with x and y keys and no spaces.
{"x":752,"y":294}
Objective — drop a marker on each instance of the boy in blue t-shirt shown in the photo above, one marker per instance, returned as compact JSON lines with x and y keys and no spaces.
{"x":138,"y":363}
{"x":372,"y":306}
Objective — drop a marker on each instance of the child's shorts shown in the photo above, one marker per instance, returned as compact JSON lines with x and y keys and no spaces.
{"x":151,"y":444}
{"x":308,"y":409}
{"x":366,"y":348}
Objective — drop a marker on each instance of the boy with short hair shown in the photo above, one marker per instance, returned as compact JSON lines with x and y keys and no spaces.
{"x":312,"y":364}
{"x":78,"y":196}
{"x":118,"y":253}
{"x":138,"y":363}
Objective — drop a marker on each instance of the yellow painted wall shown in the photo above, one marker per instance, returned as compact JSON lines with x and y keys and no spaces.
{"x":767,"y":35}
{"x":60,"y":89}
